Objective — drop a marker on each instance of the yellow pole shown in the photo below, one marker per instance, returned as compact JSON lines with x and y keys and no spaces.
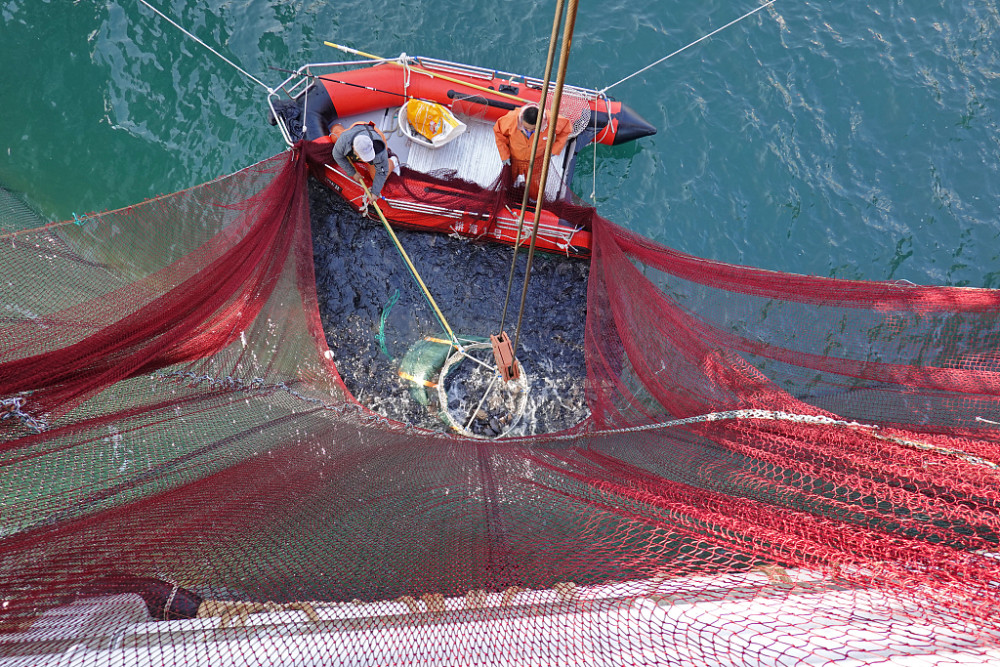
{"x":413,"y":269}
{"x":420,"y":70}
{"x":354,"y":51}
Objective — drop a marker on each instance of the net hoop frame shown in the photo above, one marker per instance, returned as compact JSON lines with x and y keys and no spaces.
{"x":456,"y":357}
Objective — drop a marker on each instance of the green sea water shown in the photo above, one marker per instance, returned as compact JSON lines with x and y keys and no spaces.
{"x":849,"y":139}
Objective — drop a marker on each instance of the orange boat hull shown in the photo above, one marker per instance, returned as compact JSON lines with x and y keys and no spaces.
{"x":417,"y":201}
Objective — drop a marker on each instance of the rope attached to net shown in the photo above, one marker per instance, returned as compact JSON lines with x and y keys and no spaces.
{"x":260,"y":385}
{"x":780,"y":415}
{"x":10,"y":408}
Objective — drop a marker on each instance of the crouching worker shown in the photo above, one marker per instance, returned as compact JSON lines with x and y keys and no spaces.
{"x":363,"y":146}
{"x":513,"y":133}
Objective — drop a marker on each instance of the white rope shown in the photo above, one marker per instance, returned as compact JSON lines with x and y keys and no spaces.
{"x":405,"y":62}
{"x":170,"y":603}
{"x":772,"y":415}
{"x":593,"y":185}
{"x":195,"y":38}
{"x":472,"y":415}
{"x":10,"y":408}
{"x":701,"y":39}
{"x":777,"y":415}
{"x":957,"y":453}
{"x":597,"y":133}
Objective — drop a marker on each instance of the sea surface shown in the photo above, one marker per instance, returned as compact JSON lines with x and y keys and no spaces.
{"x":849,"y":139}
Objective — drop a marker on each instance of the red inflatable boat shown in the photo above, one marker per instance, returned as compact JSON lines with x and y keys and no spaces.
{"x":450,"y":181}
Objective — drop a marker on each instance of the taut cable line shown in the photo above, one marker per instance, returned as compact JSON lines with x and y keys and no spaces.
{"x":195,"y":38}
{"x":546,"y":80}
{"x":567,"y":42}
{"x":685,"y":48}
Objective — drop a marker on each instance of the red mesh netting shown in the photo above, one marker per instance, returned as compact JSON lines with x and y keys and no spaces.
{"x":777,"y":470}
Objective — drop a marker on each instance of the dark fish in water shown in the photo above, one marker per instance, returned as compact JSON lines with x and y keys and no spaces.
{"x":357,"y":272}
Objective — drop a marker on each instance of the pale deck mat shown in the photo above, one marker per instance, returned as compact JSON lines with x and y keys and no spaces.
{"x":473,"y":155}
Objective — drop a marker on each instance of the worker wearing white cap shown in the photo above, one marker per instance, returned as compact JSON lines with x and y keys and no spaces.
{"x":363,"y":145}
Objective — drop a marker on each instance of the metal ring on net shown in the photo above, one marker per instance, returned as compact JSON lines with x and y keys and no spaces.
{"x":510,"y":402}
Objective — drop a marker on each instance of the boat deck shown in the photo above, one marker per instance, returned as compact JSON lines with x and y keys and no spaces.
{"x":472,"y":155}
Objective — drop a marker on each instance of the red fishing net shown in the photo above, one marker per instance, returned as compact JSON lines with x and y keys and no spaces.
{"x":777,"y":469}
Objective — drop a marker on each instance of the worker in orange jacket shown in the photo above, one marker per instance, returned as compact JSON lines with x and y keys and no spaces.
{"x":513,"y":133}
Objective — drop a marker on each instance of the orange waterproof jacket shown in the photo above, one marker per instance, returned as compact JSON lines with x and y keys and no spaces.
{"x":513,"y":145}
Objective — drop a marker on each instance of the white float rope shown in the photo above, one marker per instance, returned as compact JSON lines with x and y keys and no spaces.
{"x":195,"y":38}
{"x":778,"y":415}
{"x":772,"y":415}
{"x":260,"y":385}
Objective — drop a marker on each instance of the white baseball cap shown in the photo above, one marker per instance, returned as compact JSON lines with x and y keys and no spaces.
{"x":363,"y":147}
